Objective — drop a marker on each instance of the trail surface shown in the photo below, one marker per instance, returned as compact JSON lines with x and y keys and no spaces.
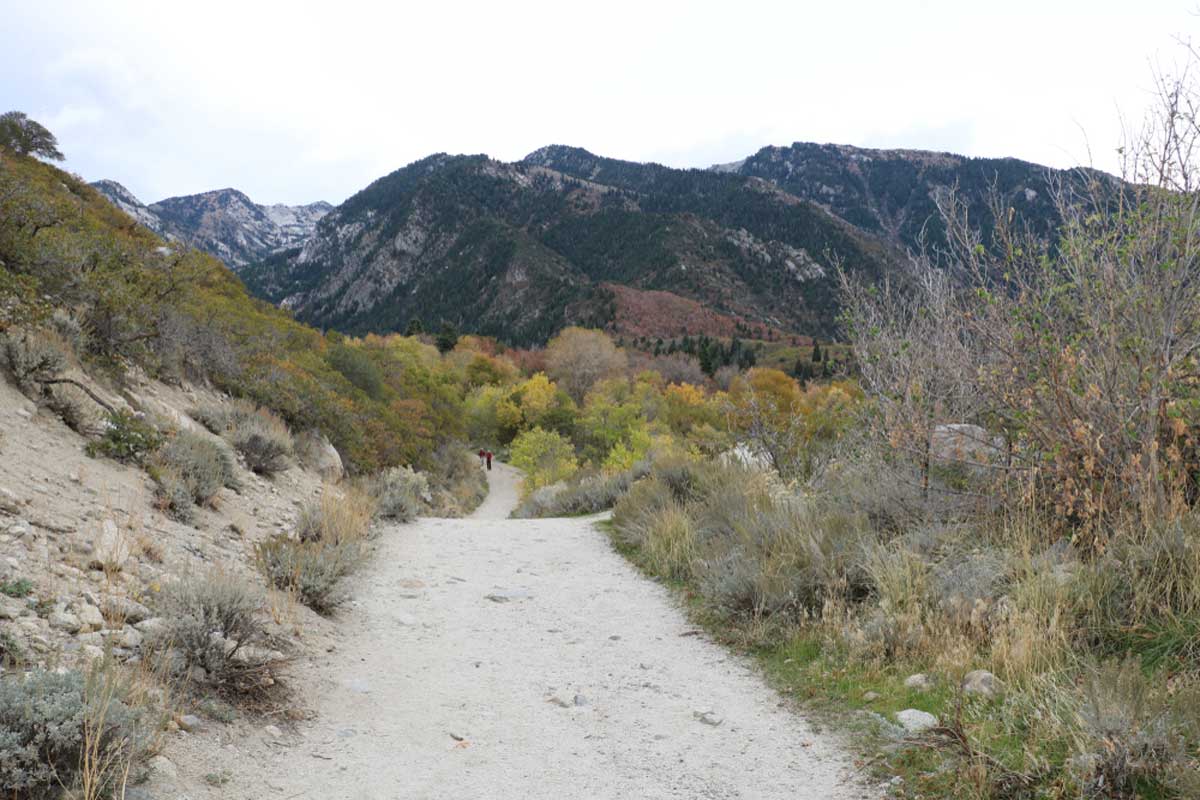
{"x":524,"y":659}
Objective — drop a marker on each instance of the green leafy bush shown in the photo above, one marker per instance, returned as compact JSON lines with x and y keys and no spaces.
{"x":544,"y":456}
{"x":20,"y":587}
{"x":127,"y":438}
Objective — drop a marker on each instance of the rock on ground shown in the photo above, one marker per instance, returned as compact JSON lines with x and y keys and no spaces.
{"x":980,"y":682}
{"x":915,"y":721}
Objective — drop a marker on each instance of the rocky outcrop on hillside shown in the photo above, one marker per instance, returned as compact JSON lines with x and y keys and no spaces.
{"x":84,"y":552}
{"x":225,"y":222}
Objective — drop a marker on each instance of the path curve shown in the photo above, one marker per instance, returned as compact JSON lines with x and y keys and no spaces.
{"x":524,"y":659}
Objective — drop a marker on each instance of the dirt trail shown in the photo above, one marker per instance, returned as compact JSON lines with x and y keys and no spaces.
{"x":496,"y":658}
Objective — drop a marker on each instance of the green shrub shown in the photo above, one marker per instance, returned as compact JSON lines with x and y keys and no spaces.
{"x":190,"y":468}
{"x":127,"y":438}
{"x":20,"y":587}
{"x":48,"y":721}
{"x":216,"y":622}
{"x":399,"y":493}
{"x":545,"y":457}
{"x":358,"y":368}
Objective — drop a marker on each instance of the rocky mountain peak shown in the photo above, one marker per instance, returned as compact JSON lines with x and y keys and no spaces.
{"x":223,"y":222}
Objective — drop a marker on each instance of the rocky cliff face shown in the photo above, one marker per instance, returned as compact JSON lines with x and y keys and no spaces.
{"x":225,"y":222}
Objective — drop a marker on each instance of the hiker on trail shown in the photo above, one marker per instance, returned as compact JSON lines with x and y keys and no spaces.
{"x":482,"y":456}
{"x":489,"y":460}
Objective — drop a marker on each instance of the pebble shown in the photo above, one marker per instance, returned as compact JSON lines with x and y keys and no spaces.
{"x":190,"y":722}
{"x":507,"y":595}
{"x":708,"y":717}
{"x":870,"y":697}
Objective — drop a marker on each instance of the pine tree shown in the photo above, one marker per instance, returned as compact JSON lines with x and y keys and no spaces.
{"x":447,"y":337}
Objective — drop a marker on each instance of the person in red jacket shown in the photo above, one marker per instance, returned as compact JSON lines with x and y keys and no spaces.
{"x":489,"y":460}
{"x":482,"y":456}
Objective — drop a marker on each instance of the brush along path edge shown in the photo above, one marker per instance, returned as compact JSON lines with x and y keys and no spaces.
{"x":498,"y":658}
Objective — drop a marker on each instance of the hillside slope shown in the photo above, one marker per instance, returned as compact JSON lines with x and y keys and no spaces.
{"x":518,"y":250}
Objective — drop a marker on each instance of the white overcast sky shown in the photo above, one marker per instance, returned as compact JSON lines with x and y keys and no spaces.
{"x":293,"y":102}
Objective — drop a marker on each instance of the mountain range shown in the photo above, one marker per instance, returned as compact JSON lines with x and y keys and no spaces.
{"x":224,"y":222}
{"x":518,"y":250}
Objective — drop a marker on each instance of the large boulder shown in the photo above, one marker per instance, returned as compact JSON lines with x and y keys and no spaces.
{"x":962,"y":443}
{"x":111,"y":549}
{"x":317,"y":454}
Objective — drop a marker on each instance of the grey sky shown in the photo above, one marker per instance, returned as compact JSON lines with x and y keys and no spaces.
{"x":293,"y":102}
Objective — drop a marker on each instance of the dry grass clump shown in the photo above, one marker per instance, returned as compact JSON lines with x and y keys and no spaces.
{"x":190,"y":470}
{"x":585,"y":494}
{"x":330,"y":542}
{"x":262,"y":438}
{"x":749,"y":552}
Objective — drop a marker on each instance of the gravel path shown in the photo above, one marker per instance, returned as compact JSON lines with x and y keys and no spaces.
{"x":495,"y":658}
